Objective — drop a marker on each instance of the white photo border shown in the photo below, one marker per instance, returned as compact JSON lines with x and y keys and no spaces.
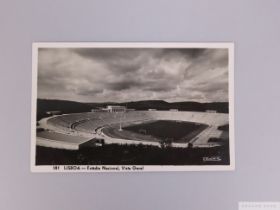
{"x":145,"y":168}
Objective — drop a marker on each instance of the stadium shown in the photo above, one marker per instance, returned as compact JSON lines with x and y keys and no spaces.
{"x":119,"y":125}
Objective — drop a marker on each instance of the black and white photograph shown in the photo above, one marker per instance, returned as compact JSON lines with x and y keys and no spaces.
{"x":131,"y":107}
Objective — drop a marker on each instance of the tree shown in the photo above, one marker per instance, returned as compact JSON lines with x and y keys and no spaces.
{"x":166,"y":143}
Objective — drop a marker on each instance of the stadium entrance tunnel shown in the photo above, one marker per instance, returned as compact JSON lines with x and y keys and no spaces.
{"x":95,"y":142}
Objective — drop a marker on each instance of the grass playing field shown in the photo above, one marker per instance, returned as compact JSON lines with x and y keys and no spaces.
{"x":176,"y":131}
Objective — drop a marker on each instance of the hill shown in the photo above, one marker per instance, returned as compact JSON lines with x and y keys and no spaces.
{"x":182,"y":106}
{"x":44,"y":105}
{"x":65,"y":107}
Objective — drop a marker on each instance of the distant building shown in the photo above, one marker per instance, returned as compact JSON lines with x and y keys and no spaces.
{"x":152,"y":110}
{"x":112,"y":108}
{"x":99,"y":110}
{"x":53,"y":112}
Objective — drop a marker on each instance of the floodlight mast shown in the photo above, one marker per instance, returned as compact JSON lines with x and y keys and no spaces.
{"x":120,"y":129}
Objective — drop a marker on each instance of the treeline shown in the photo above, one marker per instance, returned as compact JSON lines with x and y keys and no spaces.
{"x":221,"y":107}
{"x":44,"y":105}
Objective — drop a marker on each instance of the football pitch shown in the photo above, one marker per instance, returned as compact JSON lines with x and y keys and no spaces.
{"x":176,"y":131}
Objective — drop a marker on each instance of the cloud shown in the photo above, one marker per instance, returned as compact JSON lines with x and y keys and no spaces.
{"x":130,"y":74}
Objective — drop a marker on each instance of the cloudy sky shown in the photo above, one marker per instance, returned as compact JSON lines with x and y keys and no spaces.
{"x":123,"y":74}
